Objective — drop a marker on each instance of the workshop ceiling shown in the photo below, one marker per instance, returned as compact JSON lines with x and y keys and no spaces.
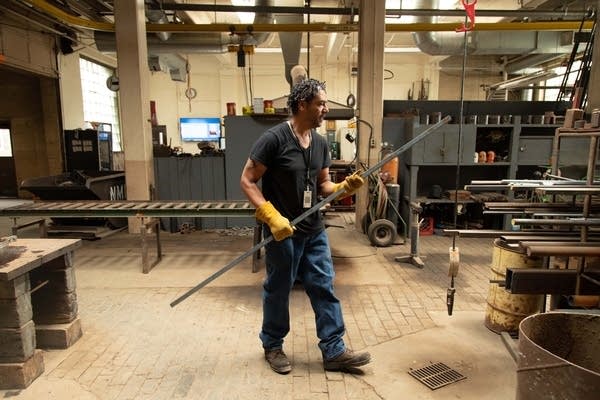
{"x":329,"y":45}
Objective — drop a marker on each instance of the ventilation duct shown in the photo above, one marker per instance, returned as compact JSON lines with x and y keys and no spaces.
{"x":488,"y":42}
{"x":186,"y":42}
{"x":290,"y":42}
{"x":178,"y":43}
{"x":172,"y":63}
{"x":158,"y":17}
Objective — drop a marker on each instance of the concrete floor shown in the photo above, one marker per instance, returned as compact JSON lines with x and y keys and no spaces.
{"x":135,"y":346}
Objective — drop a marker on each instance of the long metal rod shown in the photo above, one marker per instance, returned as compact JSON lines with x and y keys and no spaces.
{"x":311,"y":210}
{"x":558,"y":222}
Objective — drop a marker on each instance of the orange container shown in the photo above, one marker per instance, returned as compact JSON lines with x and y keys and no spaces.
{"x":390,"y":169}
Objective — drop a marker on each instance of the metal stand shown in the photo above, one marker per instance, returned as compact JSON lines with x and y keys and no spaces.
{"x":414,"y":257}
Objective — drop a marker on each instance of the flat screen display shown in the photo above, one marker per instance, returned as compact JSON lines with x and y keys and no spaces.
{"x":200,"y":129}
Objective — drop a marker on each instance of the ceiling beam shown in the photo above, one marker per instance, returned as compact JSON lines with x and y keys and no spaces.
{"x":572,"y":14}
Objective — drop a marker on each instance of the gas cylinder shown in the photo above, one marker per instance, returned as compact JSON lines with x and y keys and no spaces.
{"x":390,"y":169}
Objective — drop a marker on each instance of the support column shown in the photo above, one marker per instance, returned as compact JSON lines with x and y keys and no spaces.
{"x":54,"y":303}
{"x":370,"y":90}
{"x":593,"y":100}
{"x":20,"y":362}
{"x":132,"y":59}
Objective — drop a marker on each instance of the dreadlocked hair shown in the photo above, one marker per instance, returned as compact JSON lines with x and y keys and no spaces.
{"x":305,"y":90}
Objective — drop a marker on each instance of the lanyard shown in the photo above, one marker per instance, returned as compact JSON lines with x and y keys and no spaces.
{"x":303,"y":152}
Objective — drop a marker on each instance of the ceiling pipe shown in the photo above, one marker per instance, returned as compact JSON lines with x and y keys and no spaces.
{"x":413,"y":27}
{"x":487,"y":43}
{"x":523,"y":80}
{"x":158,"y":17}
{"x":213,"y":41}
{"x":291,"y":42}
{"x":314,"y":27}
{"x":28,"y":20}
{"x":348,"y":11}
{"x":516,"y":65}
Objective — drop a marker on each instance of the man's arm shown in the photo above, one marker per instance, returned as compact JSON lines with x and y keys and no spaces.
{"x":326,"y":187}
{"x":350,"y":184}
{"x":253,"y":171}
{"x":265,"y":211}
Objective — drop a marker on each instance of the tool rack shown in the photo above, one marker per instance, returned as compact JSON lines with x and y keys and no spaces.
{"x":147,"y":211}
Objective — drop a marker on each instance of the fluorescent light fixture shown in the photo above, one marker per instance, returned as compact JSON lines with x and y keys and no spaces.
{"x":273,"y":50}
{"x":267,"y":50}
{"x":303,"y":50}
{"x":402,"y":50}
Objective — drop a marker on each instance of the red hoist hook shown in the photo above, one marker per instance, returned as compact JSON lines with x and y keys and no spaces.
{"x":470,"y":10}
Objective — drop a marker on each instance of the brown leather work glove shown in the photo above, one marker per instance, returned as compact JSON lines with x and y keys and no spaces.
{"x":350,"y":185}
{"x":280,"y":226}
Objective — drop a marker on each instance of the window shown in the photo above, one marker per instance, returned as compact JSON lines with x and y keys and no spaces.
{"x":552,"y":94}
{"x":99,"y":103}
{"x":5,"y":146}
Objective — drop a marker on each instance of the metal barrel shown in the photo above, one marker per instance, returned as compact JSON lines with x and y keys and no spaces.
{"x":559,"y":356}
{"x":504,"y":311}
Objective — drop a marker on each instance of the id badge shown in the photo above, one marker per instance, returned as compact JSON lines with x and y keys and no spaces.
{"x":307,"y":198}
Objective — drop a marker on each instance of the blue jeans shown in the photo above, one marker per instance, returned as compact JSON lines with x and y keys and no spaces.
{"x":307,"y":258}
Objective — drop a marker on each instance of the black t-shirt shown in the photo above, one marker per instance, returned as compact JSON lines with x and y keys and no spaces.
{"x":284,"y":182}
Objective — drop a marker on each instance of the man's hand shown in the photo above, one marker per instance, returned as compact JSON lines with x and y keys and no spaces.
{"x":350,"y":185}
{"x":279,"y":225}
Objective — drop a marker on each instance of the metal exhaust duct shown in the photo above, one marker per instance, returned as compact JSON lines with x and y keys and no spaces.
{"x":490,"y":42}
{"x":290,"y":42}
{"x":213,"y":42}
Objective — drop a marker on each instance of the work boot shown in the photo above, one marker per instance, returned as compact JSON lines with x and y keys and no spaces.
{"x":278,"y":361}
{"x":347,"y":360}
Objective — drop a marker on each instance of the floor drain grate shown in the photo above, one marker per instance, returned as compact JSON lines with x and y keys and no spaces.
{"x":435,"y":376}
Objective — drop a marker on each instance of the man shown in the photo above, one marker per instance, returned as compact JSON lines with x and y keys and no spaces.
{"x":292,"y":160}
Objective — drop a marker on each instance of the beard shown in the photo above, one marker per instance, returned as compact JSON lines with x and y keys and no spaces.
{"x":318,"y":121}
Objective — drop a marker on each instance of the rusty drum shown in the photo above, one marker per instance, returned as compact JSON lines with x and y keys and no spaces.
{"x":504,"y":311}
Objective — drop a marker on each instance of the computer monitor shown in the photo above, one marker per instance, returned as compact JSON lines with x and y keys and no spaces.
{"x":200,"y":129}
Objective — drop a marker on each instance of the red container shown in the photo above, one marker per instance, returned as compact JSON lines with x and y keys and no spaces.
{"x":230,"y":108}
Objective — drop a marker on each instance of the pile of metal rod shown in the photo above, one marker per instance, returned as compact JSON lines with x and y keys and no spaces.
{"x":556,"y":217}
{"x":574,"y":208}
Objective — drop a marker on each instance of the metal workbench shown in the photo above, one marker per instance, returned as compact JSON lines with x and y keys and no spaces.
{"x":147,"y":211}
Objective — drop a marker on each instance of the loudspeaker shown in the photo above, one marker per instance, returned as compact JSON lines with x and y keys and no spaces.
{"x":66,"y":45}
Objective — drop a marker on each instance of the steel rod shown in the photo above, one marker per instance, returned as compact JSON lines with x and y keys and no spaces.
{"x":311,"y":210}
{"x":561,"y":222}
{"x":583,"y":190}
{"x":511,"y":204}
{"x":533,"y":243}
{"x":573,"y":239}
{"x":574,"y":250}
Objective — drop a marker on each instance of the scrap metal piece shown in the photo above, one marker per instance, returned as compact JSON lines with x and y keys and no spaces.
{"x":549,"y":281}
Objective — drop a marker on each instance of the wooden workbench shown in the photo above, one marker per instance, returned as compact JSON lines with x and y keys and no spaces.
{"x":38,"y":306}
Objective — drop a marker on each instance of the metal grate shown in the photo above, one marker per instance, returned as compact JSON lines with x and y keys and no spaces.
{"x":435,"y":376}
